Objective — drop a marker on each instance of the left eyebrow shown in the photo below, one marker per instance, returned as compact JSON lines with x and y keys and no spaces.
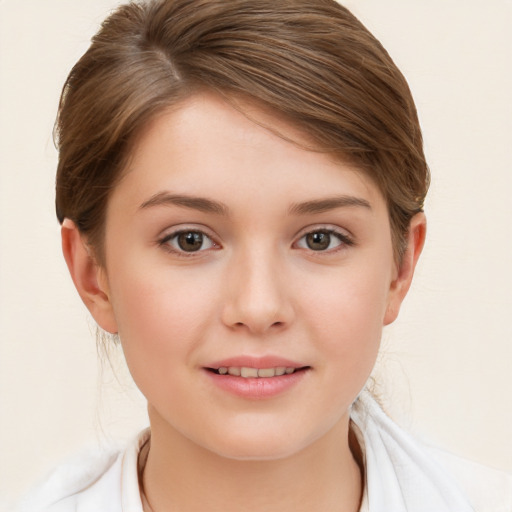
{"x":327,"y":204}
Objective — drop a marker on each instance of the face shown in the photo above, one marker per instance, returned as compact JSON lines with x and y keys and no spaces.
{"x":249,"y":280}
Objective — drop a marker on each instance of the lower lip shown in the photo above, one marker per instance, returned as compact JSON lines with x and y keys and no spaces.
{"x":257,"y":388}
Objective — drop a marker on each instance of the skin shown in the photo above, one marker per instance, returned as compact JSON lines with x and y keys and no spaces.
{"x":254,"y":288}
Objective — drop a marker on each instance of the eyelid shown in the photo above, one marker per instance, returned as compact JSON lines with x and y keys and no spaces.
{"x":333,"y":228}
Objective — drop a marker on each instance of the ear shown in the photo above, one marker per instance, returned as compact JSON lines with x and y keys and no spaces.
{"x":400,"y":285}
{"x":88,"y":276}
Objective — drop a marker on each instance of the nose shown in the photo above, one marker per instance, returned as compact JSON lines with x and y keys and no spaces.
{"x":256,"y":298}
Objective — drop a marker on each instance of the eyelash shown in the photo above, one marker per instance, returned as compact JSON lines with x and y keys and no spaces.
{"x":344,"y":241}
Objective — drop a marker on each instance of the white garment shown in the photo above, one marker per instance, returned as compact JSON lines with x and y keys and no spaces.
{"x":401,"y":476}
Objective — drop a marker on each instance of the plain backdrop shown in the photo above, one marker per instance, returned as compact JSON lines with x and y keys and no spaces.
{"x":446,"y":366}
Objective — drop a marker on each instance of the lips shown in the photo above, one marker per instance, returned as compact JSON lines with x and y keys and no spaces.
{"x":256,"y":378}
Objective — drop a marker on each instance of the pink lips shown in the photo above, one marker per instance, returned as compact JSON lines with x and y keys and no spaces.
{"x":254,"y":387}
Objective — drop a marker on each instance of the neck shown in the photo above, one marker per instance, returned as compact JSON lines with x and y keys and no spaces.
{"x":180,"y":475}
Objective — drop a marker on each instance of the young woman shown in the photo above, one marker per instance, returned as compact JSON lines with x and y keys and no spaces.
{"x":241,"y":187}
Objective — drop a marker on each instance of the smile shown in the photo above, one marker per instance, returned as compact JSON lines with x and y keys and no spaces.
{"x":255,"y":373}
{"x":256,"y":377}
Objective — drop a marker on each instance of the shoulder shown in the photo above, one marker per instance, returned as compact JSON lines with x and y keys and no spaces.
{"x":96,"y":480}
{"x":69,"y":483}
{"x":489,"y":490}
{"x":403,"y":473}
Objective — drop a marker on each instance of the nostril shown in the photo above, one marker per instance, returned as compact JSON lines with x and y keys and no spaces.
{"x":277,"y":324}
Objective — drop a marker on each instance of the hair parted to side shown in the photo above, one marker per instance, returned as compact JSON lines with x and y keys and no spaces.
{"x":309,"y":61}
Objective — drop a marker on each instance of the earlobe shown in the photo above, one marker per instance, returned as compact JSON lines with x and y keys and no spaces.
{"x":88,"y":276}
{"x":401,"y":284}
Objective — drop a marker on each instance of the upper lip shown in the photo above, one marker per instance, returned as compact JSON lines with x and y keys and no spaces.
{"x":268,"y":361}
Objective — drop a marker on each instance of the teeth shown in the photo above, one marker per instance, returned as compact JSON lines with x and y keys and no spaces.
{"x":247,"y":372}
{"x":266,"y":372}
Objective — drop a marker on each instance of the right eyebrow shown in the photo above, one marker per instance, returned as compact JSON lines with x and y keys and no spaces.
{"x":202,"y":204}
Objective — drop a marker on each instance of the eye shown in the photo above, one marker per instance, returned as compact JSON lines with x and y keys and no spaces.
{"x":323,"y":240}
{"x":188,"y":241}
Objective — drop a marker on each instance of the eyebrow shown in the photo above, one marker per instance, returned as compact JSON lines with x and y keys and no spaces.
{"x":209,"y":206}
{"x":327,"y":204}
{"x":196,"y":203}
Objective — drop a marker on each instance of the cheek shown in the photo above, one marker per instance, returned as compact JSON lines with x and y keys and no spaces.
{"x":346,"y":314}
{"x":161,"y":315}
{"x":353,"y":300}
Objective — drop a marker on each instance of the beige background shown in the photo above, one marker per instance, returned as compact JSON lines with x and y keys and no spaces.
{"x":447,"y":364}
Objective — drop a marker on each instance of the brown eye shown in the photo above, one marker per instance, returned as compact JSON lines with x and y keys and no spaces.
{"x":187,"y":241}
{"x":318,"y":240}
{"x":324,"y":240}
{"x":190,"y":241}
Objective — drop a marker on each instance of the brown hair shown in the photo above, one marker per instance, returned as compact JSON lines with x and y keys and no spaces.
{"x":310,"y":61}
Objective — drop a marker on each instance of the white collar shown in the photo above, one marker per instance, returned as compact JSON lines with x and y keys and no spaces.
{"x":400,"y":475}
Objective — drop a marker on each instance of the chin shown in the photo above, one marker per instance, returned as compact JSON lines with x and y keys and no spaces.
{"x":260,"y":445}
{"x":258,"y":452}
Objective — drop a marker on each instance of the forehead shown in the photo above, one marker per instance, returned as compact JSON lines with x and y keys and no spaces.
{"x":207,"y":143}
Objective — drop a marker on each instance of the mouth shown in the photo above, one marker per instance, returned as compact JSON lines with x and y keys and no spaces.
{"x":257,"y":378}
{"x":256,"y":373}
